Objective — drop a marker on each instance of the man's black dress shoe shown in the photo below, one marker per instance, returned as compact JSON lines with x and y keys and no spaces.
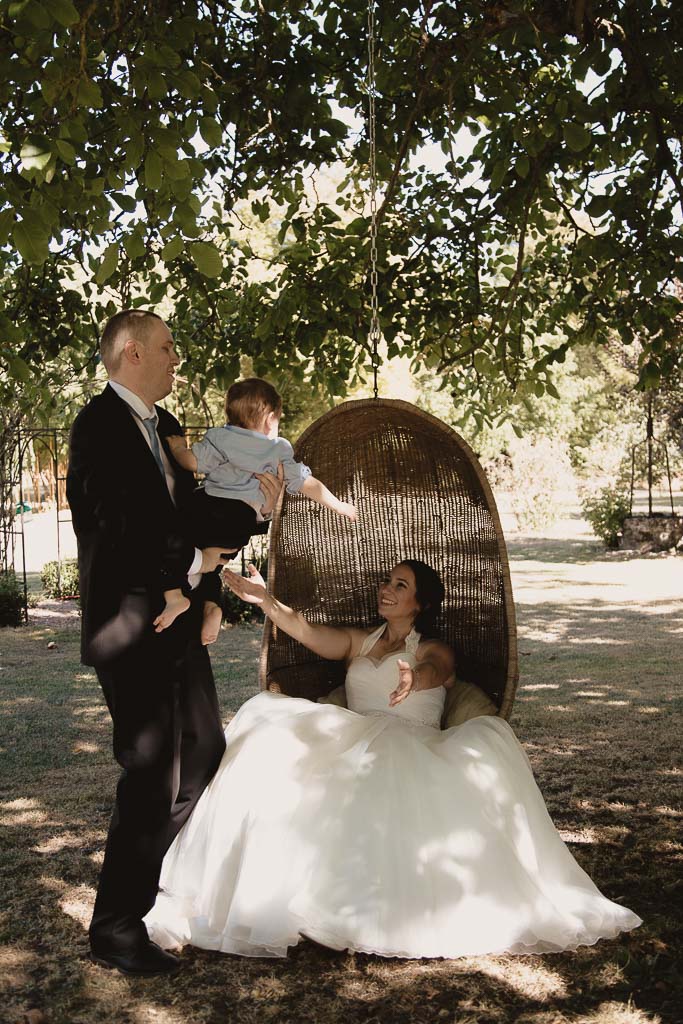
{"x":145,"y":960}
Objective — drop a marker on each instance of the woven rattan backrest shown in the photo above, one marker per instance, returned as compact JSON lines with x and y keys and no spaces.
{"x":420,"y":493}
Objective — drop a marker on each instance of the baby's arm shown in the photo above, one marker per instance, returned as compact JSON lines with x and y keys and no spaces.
{"x":181,"y":453}
{"x":316,"y":491}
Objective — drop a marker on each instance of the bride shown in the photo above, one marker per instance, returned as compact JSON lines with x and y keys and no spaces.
{"x":369,"y":828}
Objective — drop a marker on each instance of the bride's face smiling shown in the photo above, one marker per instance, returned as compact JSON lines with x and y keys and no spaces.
{"x":397,"y":597}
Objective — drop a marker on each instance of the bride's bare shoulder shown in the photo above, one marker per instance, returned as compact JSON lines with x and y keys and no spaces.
{"x":358,"y":636}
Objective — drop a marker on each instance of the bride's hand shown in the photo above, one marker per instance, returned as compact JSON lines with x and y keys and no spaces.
{"x":406,"y":684}
{"x":252,"y":590}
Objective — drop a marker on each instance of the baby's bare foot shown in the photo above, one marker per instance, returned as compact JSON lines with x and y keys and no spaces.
{"x":211,"y":625}
{"x":175,"y":606}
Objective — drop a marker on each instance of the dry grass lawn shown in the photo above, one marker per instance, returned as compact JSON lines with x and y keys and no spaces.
{"x":599,"y":712}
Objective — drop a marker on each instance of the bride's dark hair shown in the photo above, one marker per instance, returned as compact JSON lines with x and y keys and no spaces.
{"x":429,"y":591}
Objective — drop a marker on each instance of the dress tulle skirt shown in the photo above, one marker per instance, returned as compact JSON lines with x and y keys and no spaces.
{"x":367,"y":833}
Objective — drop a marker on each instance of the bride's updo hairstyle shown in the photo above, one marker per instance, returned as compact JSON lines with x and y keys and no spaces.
{"x":429,"y":593}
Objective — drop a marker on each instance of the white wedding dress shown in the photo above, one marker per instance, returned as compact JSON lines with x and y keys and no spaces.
{"x":371,"y":829}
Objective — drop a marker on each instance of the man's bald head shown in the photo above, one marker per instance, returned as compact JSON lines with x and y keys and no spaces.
{"x":129,"y":323}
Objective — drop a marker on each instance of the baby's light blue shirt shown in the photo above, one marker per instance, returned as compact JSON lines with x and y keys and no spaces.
{"x":229,"y":456}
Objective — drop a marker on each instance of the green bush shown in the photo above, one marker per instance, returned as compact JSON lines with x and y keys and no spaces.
{"x":64,"y":583}
{"x":538,"y":477}
{"x":236,"y":611}
{"x":606,"y":511}
{"x":11,"y":600}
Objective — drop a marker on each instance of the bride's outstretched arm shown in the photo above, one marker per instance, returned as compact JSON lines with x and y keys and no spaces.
{"x":335,"y":643}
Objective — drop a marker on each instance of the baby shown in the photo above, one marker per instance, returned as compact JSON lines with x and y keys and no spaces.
{"x":224,"y":511}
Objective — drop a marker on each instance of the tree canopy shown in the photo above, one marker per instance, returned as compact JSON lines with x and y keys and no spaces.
{"x":142,"y":141}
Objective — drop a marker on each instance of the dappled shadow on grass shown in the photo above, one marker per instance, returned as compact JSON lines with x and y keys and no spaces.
{"x":578,"y":551}
{"x":546,"y":549}
{"x":598,"y":623}
{"x":600,"y":713}
{"x":608,"y":772}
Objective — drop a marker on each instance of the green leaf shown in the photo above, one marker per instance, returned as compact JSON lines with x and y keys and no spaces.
{"x":134,"y":245}
{"x":598,"y":206}
{"x":62,"y":11}
{"x":357,"y":226}
{"x":19,"y":370}
{"x":153,"y":170}
{"x":36,"y":14}
{"x":75,"y":129}
{"x":89,"y":94}
{"x":7,"y":219}
{"x":157,"y":292}
{"x":210,"y":131}
{"x":50,"y":89}
{"x":263,"y":329}
{"x":124,"y":201}
{"x":108,"y":263}
{"x":577,"y":136}
{"x":185,"y":216}
{"x":650,"y":376}
{"x":522,"y":165}
{"x":66,"y":151}
{"x":176,"y":169}
{"x":35,"y":153}
{"x":156,"y":85}
{"x":499,"y":171}
{"x":187,"y":83}
{"x":31,"y":238}
{"x":207,"y":258}
{"x":549,"y":127}
{"x":134,"y":150}
{"x":172,"y":249}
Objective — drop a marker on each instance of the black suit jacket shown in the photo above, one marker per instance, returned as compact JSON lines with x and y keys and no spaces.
{"x":129,"y":532}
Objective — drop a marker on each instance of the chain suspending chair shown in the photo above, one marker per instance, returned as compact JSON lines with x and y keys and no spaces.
{"x":420,"y":493}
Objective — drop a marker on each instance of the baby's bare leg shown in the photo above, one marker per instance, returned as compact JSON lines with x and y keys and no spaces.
{"x":176,"y":604}
{"x":211,"y":625}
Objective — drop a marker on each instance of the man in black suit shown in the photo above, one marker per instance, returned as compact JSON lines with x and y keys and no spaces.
{"x":124,"y":491}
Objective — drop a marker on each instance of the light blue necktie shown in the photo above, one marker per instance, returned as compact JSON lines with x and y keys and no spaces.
{"x":150,"y":425}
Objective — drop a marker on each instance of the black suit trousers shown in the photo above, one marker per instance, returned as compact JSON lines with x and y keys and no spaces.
{"x":168,"y":740}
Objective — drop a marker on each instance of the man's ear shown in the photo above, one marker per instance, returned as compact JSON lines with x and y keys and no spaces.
{"x":131,"y":350}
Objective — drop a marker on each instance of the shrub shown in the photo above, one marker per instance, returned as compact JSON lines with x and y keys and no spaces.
{"x":60,"y":579}
{"x":236,"y":611}
{"x":537,"y":476}
{"x":606,"y":511}
{"x":11,"y":600}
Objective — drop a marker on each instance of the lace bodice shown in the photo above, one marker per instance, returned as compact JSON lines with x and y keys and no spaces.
{"x":369,"y":683}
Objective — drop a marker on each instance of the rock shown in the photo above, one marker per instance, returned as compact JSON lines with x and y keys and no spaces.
{"x":658,"y":532}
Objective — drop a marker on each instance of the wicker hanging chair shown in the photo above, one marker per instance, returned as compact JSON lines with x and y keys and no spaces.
{"x":420,"y":493}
